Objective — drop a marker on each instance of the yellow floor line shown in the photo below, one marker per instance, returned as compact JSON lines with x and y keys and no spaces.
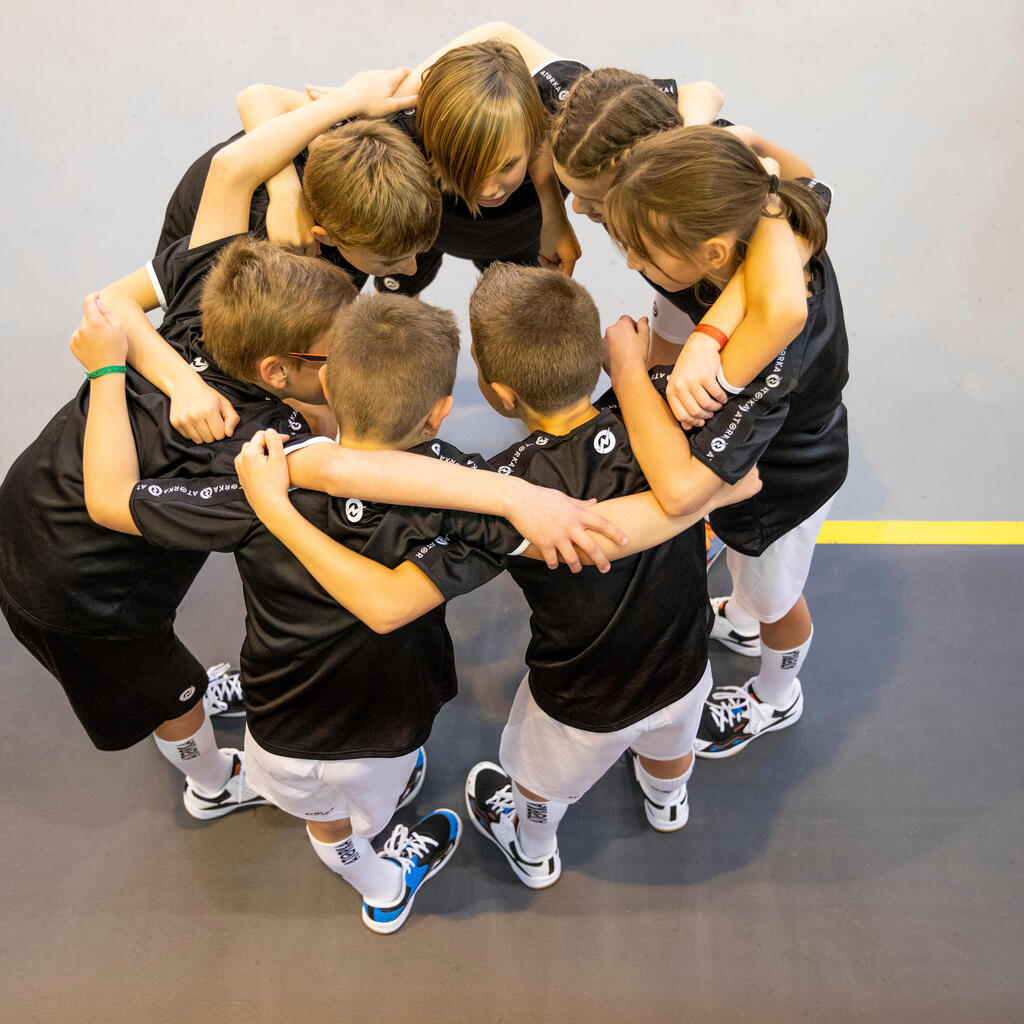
{"x":921,"y":532}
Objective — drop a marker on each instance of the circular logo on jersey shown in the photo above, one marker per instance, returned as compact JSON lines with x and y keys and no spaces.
{"x":442,"y":540}
{"x":353,"y":510}
{"x":186,"y":694}
{"x":562,"y":93}
{"x":604,"y":442}
{"x":200,"y":364}
{"x":294,"y":424}
{"x":206,"y":493}
{"x":155,"y":490}
{"x":504,"y":470}
{"x":542,"y":440}
{"x":772,"y":380}
{"x":436,"y":448}
{"x":718,"y":445}
{"x":391,"y":284}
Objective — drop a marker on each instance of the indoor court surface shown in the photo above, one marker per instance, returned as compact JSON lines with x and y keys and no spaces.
{"x":862,"y":866}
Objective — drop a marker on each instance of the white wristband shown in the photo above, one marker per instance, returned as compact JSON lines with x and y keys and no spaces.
{"x":725,"y":385}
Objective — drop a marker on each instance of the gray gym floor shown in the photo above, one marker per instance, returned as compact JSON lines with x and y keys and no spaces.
{"x":862,"y":865}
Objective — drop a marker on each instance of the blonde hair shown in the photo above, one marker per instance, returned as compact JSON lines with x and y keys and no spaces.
{"x":368,"y":186}
{"x":259,"y":301}
{"x":537,"y":331}
{"x":679,"y":188}
{"x":391,"y":360}
{"x":605,"y":114}
{"x":475,"y":102}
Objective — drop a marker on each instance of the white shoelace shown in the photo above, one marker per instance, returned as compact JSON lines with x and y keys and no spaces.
{"x":725,"y":701}
{"x":403,"y":846}
{"x":502,"y":800}
{"x":222,"y":690}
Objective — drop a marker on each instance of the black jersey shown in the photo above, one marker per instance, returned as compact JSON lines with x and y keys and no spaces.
{"x":318,"y":683}
{"x":56,"y":564}
{"x":183,"y":206}
{"x":607,"y":650}
{"x":789,"y":421}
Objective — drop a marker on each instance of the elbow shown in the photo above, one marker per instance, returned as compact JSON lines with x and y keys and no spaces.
{"x":784,"y":316}
{"x":249,"y":95}
{"x":679,"y":500}
{"x":225,"y":168}
{"x":713,"y":93}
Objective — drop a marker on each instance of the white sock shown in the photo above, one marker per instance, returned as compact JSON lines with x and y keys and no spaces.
{"x":377,"y":879}
{"x":197,"y":757}
{"x":666,"y":787}
{"x":776,"y":682}
{"x":538,"y":824}
{"x":743,"y":621}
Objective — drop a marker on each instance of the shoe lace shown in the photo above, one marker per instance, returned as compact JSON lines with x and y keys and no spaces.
{"x":501,"y":800}
{"x":725,"y":702}
{"x":222,"y":690}
{"x":403,"y":846}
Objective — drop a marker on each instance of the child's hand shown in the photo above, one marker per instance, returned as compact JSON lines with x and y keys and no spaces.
{"x":625,"y":341}
{"x":373,"y":92}
{"x":99,"y":340}
{"x":201,"y":413}
{"x":290,"y":224}
{"x":557,"y":526}
{"x":263,"y":472}
{"x":559,"y":247}
{"x":694,"y":394}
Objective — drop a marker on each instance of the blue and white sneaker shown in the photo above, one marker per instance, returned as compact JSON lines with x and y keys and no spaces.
{"x":490,"y":804}
{"x":420,"y":852}
{"x":415,"y":783}
{"x":735,"y":715}
{"x":223,"y":695}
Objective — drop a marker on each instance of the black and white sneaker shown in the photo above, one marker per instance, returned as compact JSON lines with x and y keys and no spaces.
{"x":734,"y":715}
{"x":415,"y":783}
{"x":223,"y":695}
{"x":666,"y":812}
{"x":492,"y":810}
{"x":420,"y":852}
{"x":723,"y":630}
{"x":235,"y":796}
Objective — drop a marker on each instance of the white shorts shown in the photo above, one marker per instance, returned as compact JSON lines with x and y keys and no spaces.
{"x":366,"y":791}
{"x":768,"y":585}
{"x":560,"y":762}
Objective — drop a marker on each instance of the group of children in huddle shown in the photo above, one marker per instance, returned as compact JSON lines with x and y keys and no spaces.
{"x":352,"y":523}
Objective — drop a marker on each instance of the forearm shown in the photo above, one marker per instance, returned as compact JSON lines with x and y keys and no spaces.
{"x":699,"y":102}
{"x":258,"y":104}
{"x":110,"y":465}
{"x":545,"y":181}
{"x":790,"y":165}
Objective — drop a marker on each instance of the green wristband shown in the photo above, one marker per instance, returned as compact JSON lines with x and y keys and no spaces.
{"x":103,"y":370}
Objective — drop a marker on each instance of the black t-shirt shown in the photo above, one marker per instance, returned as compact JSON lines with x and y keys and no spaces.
{"x":504,"y":230}
{"x":607,"y":650}
{"x":789,"y":421}
{"x":183,"y":206}
{"x":318,"y":683}
{"x":56,"y":564}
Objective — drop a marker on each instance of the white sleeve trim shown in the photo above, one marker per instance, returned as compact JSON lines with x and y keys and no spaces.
{"x":320,"y":439}
{"x":726,"y":386}
{"x":153,"y":280}
{"x":519,"y":550}
{"x":670,"y":322}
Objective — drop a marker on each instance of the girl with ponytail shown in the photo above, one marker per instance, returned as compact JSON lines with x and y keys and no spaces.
{"x":686,"y":204}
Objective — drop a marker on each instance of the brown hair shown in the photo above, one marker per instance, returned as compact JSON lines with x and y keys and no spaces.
{"x":391,"y":360}
{"x":368,"y":186}
{"x":259,"y":300}
{"x":537,"y":331}
{"x":605,"y":114}
{"x":475,"y":101}
{"x":680,"y":188}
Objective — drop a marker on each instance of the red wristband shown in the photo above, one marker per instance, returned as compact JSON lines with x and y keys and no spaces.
{"x":713,"y":332}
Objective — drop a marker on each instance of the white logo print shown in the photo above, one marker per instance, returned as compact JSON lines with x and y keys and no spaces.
{"x":772,"y":380}
{"x":442,"y":540}
{"x":353,"y":510}
{"x":436,"y":448}
{"x":200,"y":364}
{"x":542,"y":440}
{"x":391,"y":284}
{"x":294,"y":424}
{"x":185,"y":694}
{"x":562,"y":93}
{"x":718,"y":445}
{"x":206,"y":493}
{"x":604,"y":442}
{"x":504,"y":470}
{"x":155,"y":490}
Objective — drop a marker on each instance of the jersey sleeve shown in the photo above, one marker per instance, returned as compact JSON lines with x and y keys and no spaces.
{"x":177,"y":274}
{"x":200,"y":514}
{"x":555,"y":79}
{"x":669,"y":86}
{"x":822,"y":191}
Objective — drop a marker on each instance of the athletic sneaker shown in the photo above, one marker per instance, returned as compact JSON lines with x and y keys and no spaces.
{"x":235,"y":796}
{"x":491,"y":808}
{"x":729,"y":636}
{"x":224,"y":692}
{"x":420,"y":853}
{"x":734,"y":715}
{"x":415,"y":783}
{"x":664,"y":815}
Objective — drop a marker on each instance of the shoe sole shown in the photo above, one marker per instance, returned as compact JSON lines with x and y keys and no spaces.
{"x":415,"y":791}
{"x":715,"y":755}
{"x":203,"y":813}
{"x":390,"y":927}
{"x":530,"y":883}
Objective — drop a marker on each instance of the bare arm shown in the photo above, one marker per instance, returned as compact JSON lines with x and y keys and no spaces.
{"x":110,"y":465}
{"x":790,"y":165}
{"x":699,"y":102}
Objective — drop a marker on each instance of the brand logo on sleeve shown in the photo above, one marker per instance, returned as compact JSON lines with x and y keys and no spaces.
{"x":718,"y":444}
{"x":442,"y":540}
{"x":155,"y":490}
{"x":541,"y":441}
{"x":505,"y":470}
{"x":294,"y":423}
{"x":436,"y":448}
{"x":392,"y":284}
{"x":200,"y":364}
{"x":353,"y":510}
{"x":604,"y":442}
{"x":206,"y":493}
{"x":185,"y":695}
{"x":773,"y":380}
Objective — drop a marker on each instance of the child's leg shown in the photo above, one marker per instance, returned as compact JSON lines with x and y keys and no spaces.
{"x":538,"y":821}
{"x":188,"y":742}
{"x":377,"y":879}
